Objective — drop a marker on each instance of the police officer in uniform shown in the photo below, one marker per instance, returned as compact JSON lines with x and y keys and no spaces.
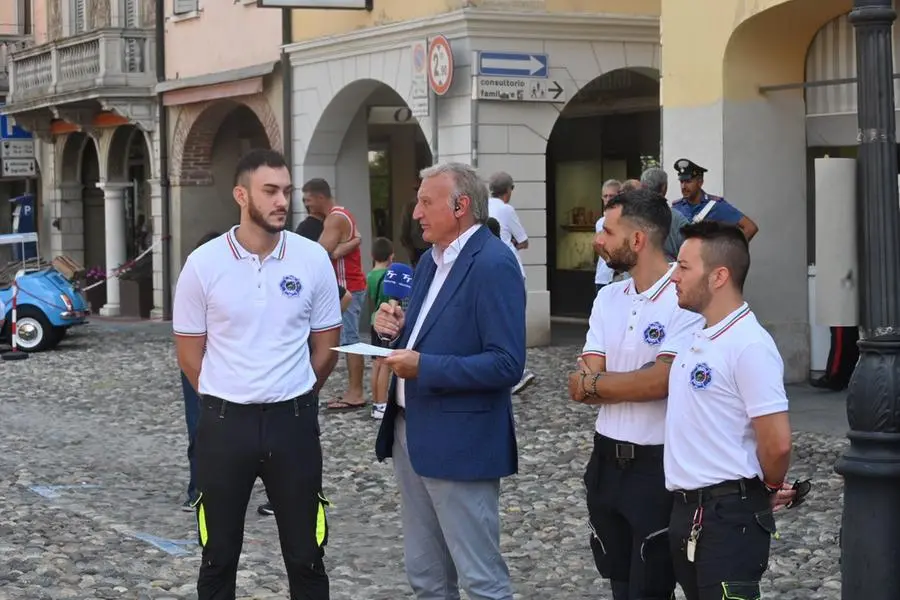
{"x":728,"y":438}
{"x":624,"y":370}
{"x":696,"y":205}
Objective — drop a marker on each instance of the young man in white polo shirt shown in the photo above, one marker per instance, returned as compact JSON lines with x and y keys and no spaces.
{"x":728,"y":437}
{"x":263,"y":302}
{"x":625,"y":370}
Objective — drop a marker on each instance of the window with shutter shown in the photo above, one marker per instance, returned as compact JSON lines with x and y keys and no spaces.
{"x":185,"y":6}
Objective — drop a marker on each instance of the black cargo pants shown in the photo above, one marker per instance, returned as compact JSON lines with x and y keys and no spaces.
{"x":629,"y":510}
{"x":732,"y":549}
{"x":278,"y":442}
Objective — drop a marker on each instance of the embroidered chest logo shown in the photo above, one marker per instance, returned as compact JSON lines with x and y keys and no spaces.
{"x":701,"y":376}
{"x":654,"y":334}
{"x":290,"y":286}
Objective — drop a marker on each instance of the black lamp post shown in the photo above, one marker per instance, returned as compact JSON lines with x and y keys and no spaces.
{"x":870,"y":528}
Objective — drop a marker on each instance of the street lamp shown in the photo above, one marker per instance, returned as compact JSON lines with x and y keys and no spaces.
{"x":870,"y":528}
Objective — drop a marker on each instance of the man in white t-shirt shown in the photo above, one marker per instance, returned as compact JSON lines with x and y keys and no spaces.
{"x":501,"y":186}
{"x":604,"y":275}
{"x":728,"y":437}
{"x":624,"y":370}
{"x":256,"y":312}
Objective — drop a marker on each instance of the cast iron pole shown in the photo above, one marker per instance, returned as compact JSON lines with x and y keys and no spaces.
{"x":870,"y":528}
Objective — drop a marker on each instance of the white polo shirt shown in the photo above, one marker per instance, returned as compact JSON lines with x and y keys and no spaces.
{"x":631,"y":330}
{"x":723,"y":377}
{"x":256,"y":315}
{"x":510,"y":226}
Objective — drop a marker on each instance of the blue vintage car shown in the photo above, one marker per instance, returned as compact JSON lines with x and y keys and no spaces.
{"x":48,"y":303}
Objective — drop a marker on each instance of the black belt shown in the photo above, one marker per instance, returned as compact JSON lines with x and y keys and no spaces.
{"x":742,"y":487}
{"x":295,"y":404}
{"x":616,"y":450}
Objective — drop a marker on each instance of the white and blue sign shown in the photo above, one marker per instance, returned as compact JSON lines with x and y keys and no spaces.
{"x":513,"y":64}
{"x":8,"y":131}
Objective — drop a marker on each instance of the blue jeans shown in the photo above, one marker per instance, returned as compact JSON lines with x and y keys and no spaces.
{"x":350,"y":318}
{"x":191,"y":418}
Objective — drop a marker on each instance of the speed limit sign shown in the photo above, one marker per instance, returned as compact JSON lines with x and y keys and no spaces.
{"x":440,"y":65}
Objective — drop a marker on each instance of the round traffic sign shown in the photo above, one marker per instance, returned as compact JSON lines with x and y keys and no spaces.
{"x":440,"y":65}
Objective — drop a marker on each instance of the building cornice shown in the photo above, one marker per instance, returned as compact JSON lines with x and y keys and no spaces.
{"x":571,"y":27}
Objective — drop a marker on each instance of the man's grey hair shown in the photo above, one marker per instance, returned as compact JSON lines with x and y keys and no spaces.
{"x":500,"y":184}
{"x":655,"y":180}
{"x":612,"y":183}
{"x":467,"y":183}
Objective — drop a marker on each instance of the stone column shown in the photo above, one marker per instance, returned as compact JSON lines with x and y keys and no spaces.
{"x":68,"y":238}
{"x":116,"y":255}
{"x":156,"y":222}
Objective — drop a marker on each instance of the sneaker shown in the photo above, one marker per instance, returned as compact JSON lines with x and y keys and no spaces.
{"x":378,"y":411}
{"x":188,"y":506}
{"x":527,"y":379}
{"x":265,"y":509}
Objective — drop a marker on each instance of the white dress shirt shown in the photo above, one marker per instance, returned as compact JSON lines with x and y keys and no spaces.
{"x":604,"y":274}
{"x":444,"y":260}
{"x":510,"y":226}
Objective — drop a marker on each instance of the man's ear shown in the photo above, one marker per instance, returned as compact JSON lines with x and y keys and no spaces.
{"x":240,"y":195}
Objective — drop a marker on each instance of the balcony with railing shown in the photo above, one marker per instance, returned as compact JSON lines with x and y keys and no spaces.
{"x":104,"y":63}
{"x":8,"y":45}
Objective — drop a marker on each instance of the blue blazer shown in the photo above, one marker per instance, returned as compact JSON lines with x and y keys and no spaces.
{"x":459,"y":419}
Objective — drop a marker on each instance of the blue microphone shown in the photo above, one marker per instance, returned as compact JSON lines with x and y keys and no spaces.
{"x":398,"y":283}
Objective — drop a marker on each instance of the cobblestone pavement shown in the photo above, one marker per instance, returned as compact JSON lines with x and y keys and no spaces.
{"x":104,"y":415}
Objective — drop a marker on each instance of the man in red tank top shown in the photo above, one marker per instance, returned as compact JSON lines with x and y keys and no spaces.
{"x":340,"y":227}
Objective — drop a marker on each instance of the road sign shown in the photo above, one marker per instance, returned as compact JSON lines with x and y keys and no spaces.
{"x":419,"y":94}
{"x":8,"y":131}
{"x":520,"y":89}
{"x":17,"y":148}
{"x":18,"y":167}
{"x":440,"y":65}
{"x":513,"y":64}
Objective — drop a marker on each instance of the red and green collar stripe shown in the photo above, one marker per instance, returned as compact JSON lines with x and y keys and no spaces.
{"x":233,"y":245}
{"x":659,"y":290}
{"x":740,"y":315}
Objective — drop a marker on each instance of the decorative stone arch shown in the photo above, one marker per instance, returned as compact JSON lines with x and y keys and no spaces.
{"x":117,"y":149}
{"x":196,"y":130}
{"x":70,"y":154}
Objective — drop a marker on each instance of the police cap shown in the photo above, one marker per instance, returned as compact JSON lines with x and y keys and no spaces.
{"x":688,"y":169}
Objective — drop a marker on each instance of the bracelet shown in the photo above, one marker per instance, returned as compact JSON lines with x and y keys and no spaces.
{"x":773,"y":488}
{"x":583,"y":387}
{"x":594,"y":384}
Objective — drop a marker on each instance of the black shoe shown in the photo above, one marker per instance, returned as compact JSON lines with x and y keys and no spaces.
{"x":826,"y":383}
{"x":265,"y":509}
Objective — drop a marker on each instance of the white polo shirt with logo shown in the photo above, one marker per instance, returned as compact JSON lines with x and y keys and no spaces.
{"x":257,"y":316}
{"x":723,"y":377}
{"x":631,"y":330}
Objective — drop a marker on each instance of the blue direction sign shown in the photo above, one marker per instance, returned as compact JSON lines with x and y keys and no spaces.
{"x":513,"y":64}
{"x":8,"y":131}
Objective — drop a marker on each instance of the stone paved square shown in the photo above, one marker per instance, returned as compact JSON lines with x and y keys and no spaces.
{"x":104,"y":415}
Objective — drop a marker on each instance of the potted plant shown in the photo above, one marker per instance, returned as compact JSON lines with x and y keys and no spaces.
{"x":95,"y":296}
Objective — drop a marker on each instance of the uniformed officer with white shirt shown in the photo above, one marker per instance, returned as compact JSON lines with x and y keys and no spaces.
{"x":624,"y":369}
{"x":263,"y":301}
{"x":604,"y":275}
{"x":728,"y":438}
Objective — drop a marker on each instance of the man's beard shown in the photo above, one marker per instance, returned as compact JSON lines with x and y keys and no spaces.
{"x":257,"y":217}
{"x":696,"y":300}
{"x":623,"y":259}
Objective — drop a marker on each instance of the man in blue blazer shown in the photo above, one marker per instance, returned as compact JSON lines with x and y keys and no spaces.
{"x":449,"y":424}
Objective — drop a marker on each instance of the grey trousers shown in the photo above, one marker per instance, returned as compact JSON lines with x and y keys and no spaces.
{"x":451,"y":533}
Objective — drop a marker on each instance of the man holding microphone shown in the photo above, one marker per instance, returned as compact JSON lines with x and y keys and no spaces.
{"x":449,"y":424}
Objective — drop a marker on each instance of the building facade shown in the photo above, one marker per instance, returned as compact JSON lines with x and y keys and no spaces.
{"x":83,"y":85}
{"x":223,"y":96}
{"x":355,"y":74}
{"x":756,"y":104}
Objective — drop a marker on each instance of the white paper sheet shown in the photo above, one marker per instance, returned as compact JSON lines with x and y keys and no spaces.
{"x":364,"y":349}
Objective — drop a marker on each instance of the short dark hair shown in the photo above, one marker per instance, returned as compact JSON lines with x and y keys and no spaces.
{"x":494,"y":225}
{"x":253,"y":160}
{"x":382,"y":248}
{"x":722,"y":246}
{"x":317,"y":186}
{"x":648,"y":211}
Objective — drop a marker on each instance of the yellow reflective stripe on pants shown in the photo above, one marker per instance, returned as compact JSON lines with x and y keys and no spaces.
{"x":201,"y":519}
{"x":321,"y":521}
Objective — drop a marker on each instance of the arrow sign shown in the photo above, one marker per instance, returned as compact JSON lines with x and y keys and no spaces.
{"x":513,"y":64}
{"x":556,"y":90}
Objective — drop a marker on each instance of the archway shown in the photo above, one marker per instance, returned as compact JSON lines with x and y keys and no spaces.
{"x":609,"y":130}
{"x":370,"y":148}
{"x":129,"y":162}
{"x":209,"y":140}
